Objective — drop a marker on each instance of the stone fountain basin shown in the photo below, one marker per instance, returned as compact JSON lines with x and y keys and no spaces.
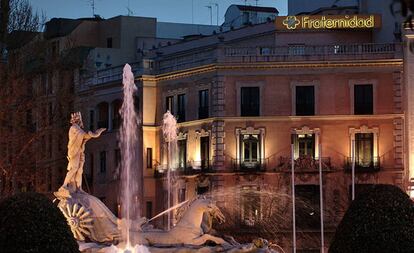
{"x":248,"y":248}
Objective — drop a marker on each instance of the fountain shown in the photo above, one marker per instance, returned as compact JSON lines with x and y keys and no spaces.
{"x":129,"y":148}
{"x":169,"y":130}
{"x":98,"y":230}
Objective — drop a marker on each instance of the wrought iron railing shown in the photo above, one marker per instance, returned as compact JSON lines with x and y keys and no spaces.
{"x":371,"y":164}
{"x":304,"y":164}
{"x":190,"y":168}
{"x":255,"y":165}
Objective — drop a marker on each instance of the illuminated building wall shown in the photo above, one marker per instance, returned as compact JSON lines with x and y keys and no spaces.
{"x":266,"y":88}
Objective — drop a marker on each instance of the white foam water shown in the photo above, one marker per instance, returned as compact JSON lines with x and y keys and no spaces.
{"x":169,"y":130}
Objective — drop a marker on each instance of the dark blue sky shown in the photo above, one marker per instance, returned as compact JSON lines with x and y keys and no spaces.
{"x":165,"y":10}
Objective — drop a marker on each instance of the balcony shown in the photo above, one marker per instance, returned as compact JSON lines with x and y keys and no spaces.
{"x":303,"y":164}
{"x":281,"y":54}
{"x":249,"y":166}
{"x":363,"y":51}
{"x":190,"y":168}
{"x":108,"y":75}
{"x":371,"y":165}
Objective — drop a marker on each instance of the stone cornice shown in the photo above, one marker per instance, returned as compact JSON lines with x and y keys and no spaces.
{"x":265,"y":65}
{"x":286,"y":118}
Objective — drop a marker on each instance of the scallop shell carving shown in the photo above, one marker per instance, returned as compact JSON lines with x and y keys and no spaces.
{"x":78,"y":219}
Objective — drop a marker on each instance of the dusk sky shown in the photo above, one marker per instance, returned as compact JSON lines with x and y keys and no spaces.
{"x":165,"y":10}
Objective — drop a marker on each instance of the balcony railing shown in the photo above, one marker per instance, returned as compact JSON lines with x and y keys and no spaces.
{"x":190,"y":168}
{"x":111,"y":74}
{"x":304,"y":164}
{"x":249,"y":166}
{"x":314,"y":52}
{"x":293,"y":53}
{"x":363,"y":165}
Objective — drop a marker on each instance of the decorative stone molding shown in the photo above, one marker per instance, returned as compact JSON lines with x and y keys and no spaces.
{"x":182,"y":136}
{"x":398,"y":142}
{"x":217,"y":97}
{"x":397,"y":88}
{"x":364,"y":129}
{"x":250,"y":130}
{"x":217,"y":143}
{"x":307,"y":130}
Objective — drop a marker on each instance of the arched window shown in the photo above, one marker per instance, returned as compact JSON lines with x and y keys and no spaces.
{"x":116,"y":116}
{"x":103,"y":115}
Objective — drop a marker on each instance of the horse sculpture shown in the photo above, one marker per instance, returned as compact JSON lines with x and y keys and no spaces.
{"x":188,"y":230}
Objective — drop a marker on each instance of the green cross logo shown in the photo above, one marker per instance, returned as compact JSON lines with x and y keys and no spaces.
{"x":291,"y":22}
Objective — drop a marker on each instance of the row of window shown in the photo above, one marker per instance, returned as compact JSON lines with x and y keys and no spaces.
{"x":305,"y":100}
{"x":104,"y":118}
{"x":251,"y":153}
{"x":250,"y":102}
{"x":102,"y":162}
{"x":178,"y":108}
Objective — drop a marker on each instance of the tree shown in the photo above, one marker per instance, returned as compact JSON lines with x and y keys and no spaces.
{"x":380,"y":219}
{"x":35,"y":101}
{"x":29,"y":222}
{"x":18,"y":15}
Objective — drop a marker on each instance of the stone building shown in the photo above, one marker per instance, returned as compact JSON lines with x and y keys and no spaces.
{"x":249,"y":99}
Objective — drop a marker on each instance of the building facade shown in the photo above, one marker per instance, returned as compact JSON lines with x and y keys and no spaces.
{"x":248,"y":100}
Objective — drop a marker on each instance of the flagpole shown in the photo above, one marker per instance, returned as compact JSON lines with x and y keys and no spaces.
{"x":293,"y":196}
{"x":321,"y":199}
{"x":353,"y":168}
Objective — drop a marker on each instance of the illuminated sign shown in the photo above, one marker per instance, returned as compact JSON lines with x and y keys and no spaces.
{"x":315,"y":22}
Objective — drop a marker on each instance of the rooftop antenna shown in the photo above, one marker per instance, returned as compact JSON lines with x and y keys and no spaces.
{"x":192,"y":11}
{"x":217,"y":9}
{"x":93,"y":7}
{"x":129,"y":10}
{"x":211,"y":13}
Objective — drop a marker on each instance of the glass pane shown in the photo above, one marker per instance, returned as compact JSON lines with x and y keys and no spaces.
{"x":254,"y":151}
{"x":250,"y":101}
{"x":364,"y":149}
{"x":363,"y":99}
{"x":246,"y":151}
{"x":305,"y":100}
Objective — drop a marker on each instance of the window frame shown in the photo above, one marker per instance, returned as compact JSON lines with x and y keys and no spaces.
{"x":352,"y":83}
{"x":246,"y":110}
{"x":102,"y":162}
{"x":149,"y":158}
{"x":365,"y":129}
{"x":181,"y":107}
{"x":301,"y":109}
{"x":240,"y":145}
{"x":362,"y":108}
{"x":243,"y":84}
{"x":206,"y":113}
{"x":316,"y":86}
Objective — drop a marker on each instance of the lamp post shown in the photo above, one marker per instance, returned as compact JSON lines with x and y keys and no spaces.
{"x":321,"y":198}
{"x":293,"y":194}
